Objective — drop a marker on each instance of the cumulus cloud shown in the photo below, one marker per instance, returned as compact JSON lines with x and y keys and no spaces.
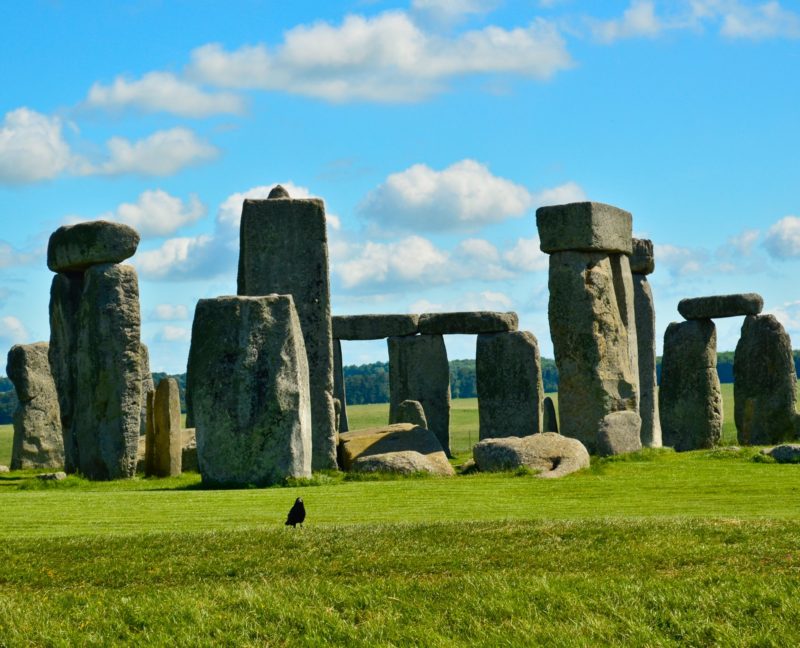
{"x":767,"y":20}
{"x":526,"y":256}
{"x":680,"y":261}
{"x":783,"y":238}
{"x":468,"y":301}
{"x":12,"y":331}
{"x":162,"y":92}
{"x":10,"y":256}
{"x":170,"y":312}
{"x":788,"y":314}
{"x":638,"y":21}
{"x":32,"y":147}
{"x":171,"y":333}
{"x":743,"y":243}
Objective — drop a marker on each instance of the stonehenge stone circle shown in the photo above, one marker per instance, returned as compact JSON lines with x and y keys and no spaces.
{"x":284,"y":250}
{"x":418,"y":370}
{"x":508,"y":373}
{"x":549,"y":417}
{"x":167,"y":439}
{"x":74,"y":248}
{"x":373,"y":327}
{"x":765,"y":383}
{"x":584,"y":227}
{"x":467,"y":323}
{"x":698,"y":308}
{"x":248,"y":375}
{"x":410,"y":411}
{"x":689,"y":399}
{"x":37,"y":439}
{"x":339,"y":391}
{"x":550,"y":453}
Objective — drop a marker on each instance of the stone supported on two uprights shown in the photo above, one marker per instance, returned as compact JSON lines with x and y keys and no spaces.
{"x":715,"y":306}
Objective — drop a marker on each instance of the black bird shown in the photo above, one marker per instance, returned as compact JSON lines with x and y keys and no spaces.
{"x":296,"y":514}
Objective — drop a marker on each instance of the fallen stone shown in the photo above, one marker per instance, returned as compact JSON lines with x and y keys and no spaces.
{"x":584,"y":227}
{"x":410,"y":411}
{"x":619,"y":434}
{"x":786,"y":453}
{"x":74,"y":248}
{"x":373,"y":327}
{"x":698,"y":308}
{"x":550,"y":453}
{"x":467,"y":323}
{"x":52,"y":476}
{"x":644,"y":305}
{"x":405,"y":462}
{"x":167,"y":436}
{"x":549,"y":416}
{"x":642,"y":259}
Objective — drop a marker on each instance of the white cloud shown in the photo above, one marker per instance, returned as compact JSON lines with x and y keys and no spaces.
{"x":170,"y":312}
{"x":680,"y":261}
{"x":767,"y":20}
{"x":230,"y":211}
{"x":468,"y":301}
{"x":185,"y":258}
{"x":175,"y":334}
{"x":568,"y":192}
{"x":13,"y":331}
{"x":9,"y":256}
{"x":163,"y":92}
{"x":526,"y":256}
{"x":788,"y":314}
{"x":783,"y":238}
{"x":639,"y":20}
{"x":742,"y":244}
{"x":448,"y":11}
{"x":32,"y":147}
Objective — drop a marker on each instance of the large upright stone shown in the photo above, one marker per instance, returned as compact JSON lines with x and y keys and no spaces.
{"x":339,"y":391}
{"x":418,"y":370}
{"x":373,"y":327}
{"x":248,"y":376}
{"x":765,"y":383}
{"x":508,"y":372}
{"x":584,"y":227}
{"x":467,"y":323}
{"x":689,"y":399}
{"x":167,"y":440}
{"x":147,"y":385}
{"x":643,"y":261}
{"x":74,"y":248}
{"x":721,"y":306}
{"x":37,"y":421}
{"x":284,"y":250}
{"x":108,"y":373}
{"x":549,"y":416}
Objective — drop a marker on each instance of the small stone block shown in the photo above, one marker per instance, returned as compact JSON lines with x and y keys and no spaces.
{"x":584,"y":227}
{"x":467,"y":323}
{"x":373,"y":327}
{"x":721,"y":306}
{"x":73,"y":248}
{"x":642,"y":259}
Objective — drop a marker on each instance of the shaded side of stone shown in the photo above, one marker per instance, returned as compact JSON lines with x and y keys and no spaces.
{"x":689,"y":398}
{"x":646,"y":340}
{"x":642,"y":258}
{"x":167,"y":424}
{"x":373,"y":327}
{"x":339,"y":391}
{"x":467,"y":323}
{"x":584,"y":227}
{"x":721,"y":306}
{"x":549,"y":416}
{"x":765,"y":383}
{"x":150,"y":435}
{"x":74,"y":248}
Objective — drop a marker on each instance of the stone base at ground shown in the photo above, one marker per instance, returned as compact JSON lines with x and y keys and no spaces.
{"x":619,"y":434}
{"x":406,"y":462}
{"x":550,"y":453}
{"x":786,"y":453}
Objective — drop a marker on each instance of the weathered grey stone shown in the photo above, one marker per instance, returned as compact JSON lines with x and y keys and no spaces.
{"x":619,"y":434}
{"x":373,"y":327}
{"x":765,"y":383}
{"x":698,"y":308}
{"x":37,"y":420}
{"x":76,"y":247}
{"x":392,"y":440}
{"x":167,"y":437}
{"x":278,"y":191}
{"x":65,"y":299}
{"x":248,"y":376}
{"x":108,"y":383}
{"x":584,"y":227}
{"x":418,"y":370}
{"x":284,"y":250}
{"x":339,"y":391}
{"x":642,"y":259}
{"x":405,"y":462}
{"x":786,"y":453}
{"x":147,"y":386}
{"x":52,"y":476}
{"x":549,"y":416}
{"x":189,"y":454}
{"x":550,"y":453}
{"x":467,"y":323}
{"x":646,"y":341}
{"x":411,"y":411}
{"x":149,"y":435}
{"x":508,"y":373}
{"x":593,"y":329}
{"x":689,"y":399}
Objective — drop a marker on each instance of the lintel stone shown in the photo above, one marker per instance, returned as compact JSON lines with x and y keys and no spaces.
{"x":698,"y":308}
{"x":584,"y":227}
{"x":373,"y":327}
{"x":467,"y":323}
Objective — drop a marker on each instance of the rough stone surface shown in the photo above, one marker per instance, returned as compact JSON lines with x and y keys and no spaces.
{"x":339,"y":391}
{"x":549,"y":416}
{"x":786,"y":453}
{"x":698,"y":308}
{"x":189,"y":453}
{"x":765,"y":383}
{"x":37,"y":420}
{"x":108,"y":403}
{"x":619,"y":434}
{"x":584,"y":227}
{"x":405,"y":463}
{"x":689,"y":399}
{"x":284,"y":250}
{"x":411,"y":411}
{"x":147,"y":385}
{"x":550,"y":453}
{"x":149,"y":435}
{"x":644,"y":306}
{"x":248,"y":376}
{"x":593,"y":329}
{"x":418,"y":370}
{"x":76,"y":247}
{"x":390,"y":440}
{"x":467,"y":323}
{"x":642,"y":258}
{"x":52,"y":476}
{"x":167,"y":437}
{"x":508,"y":373}
{"x":373,"y":327}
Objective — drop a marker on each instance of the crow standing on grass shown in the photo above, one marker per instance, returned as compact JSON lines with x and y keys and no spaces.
{"x":296,"y":514}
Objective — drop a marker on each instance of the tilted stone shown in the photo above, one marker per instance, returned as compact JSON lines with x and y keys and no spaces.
{"x":549,"y":453}
{"x":373,"y":327}
{"x":508,"y":373}
{"x":584,"y":227}
{"x":644,"y":305}
{"x":642,"y":258}
{"x":410,"y":411}
{"x":698,"y":308}
{"x":77,"y":247}
{"x":549,"y":417}
{"x":167,"y":441}
{"x":284,"y":250}
{"x":248,"y":376}
{"x":37,"y":439}
{"x":467,"y":323}
{"x":339,"y":391}
{"x":418,"y":370}
{"x":765,"y":383}
{"x":689,"y":399}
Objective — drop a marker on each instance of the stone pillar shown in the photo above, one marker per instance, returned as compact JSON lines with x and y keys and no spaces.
{"x":339,"y":390}
{"x":549,"y":418}
{"x":284,"y":250}
{"x":765,"y":383}
{"x":592,"y":323}
{"x":147,"y":386}
{"x":248,"y":375}
{"x":689,"y":399}
{"x":643,"y":264}
{"x":418,"y":370}
{"x":150,"y":434}
{"x":508,"y":372}
{"x":37,"y":420}
{"x":166,"y":438}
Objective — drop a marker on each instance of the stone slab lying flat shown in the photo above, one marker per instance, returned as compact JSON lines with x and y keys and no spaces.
{"x":721,"y":306}
{"x":642,"y":258}
{"x":549,"y":453}
{"x":73,"y":248}
{"x":373,"y":327}
{"x":584,"y":227}
{"x":467,"y":323}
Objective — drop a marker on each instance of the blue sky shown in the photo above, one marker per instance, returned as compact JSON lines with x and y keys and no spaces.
{"x":431,"y":128}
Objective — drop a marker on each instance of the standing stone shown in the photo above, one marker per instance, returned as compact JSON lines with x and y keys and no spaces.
{"x":167,"y":446}
{"x":284,"y":249}
{"x":150,"y":434}
{"x":147,"y":385}
{"x":410,"y":411}
{"x":549,"y":417}
{"x":248,"y":375}
{"x":418,"y":370}
{"x":339,"y":391}
{"x":108,"y":396}
{"x":765,"y":383}
{"x":689,"y":399}
{"x":37,"y":420}
{"x":508,"y":372}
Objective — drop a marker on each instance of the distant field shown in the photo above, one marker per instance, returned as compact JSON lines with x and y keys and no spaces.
{"x":6,"y":437}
